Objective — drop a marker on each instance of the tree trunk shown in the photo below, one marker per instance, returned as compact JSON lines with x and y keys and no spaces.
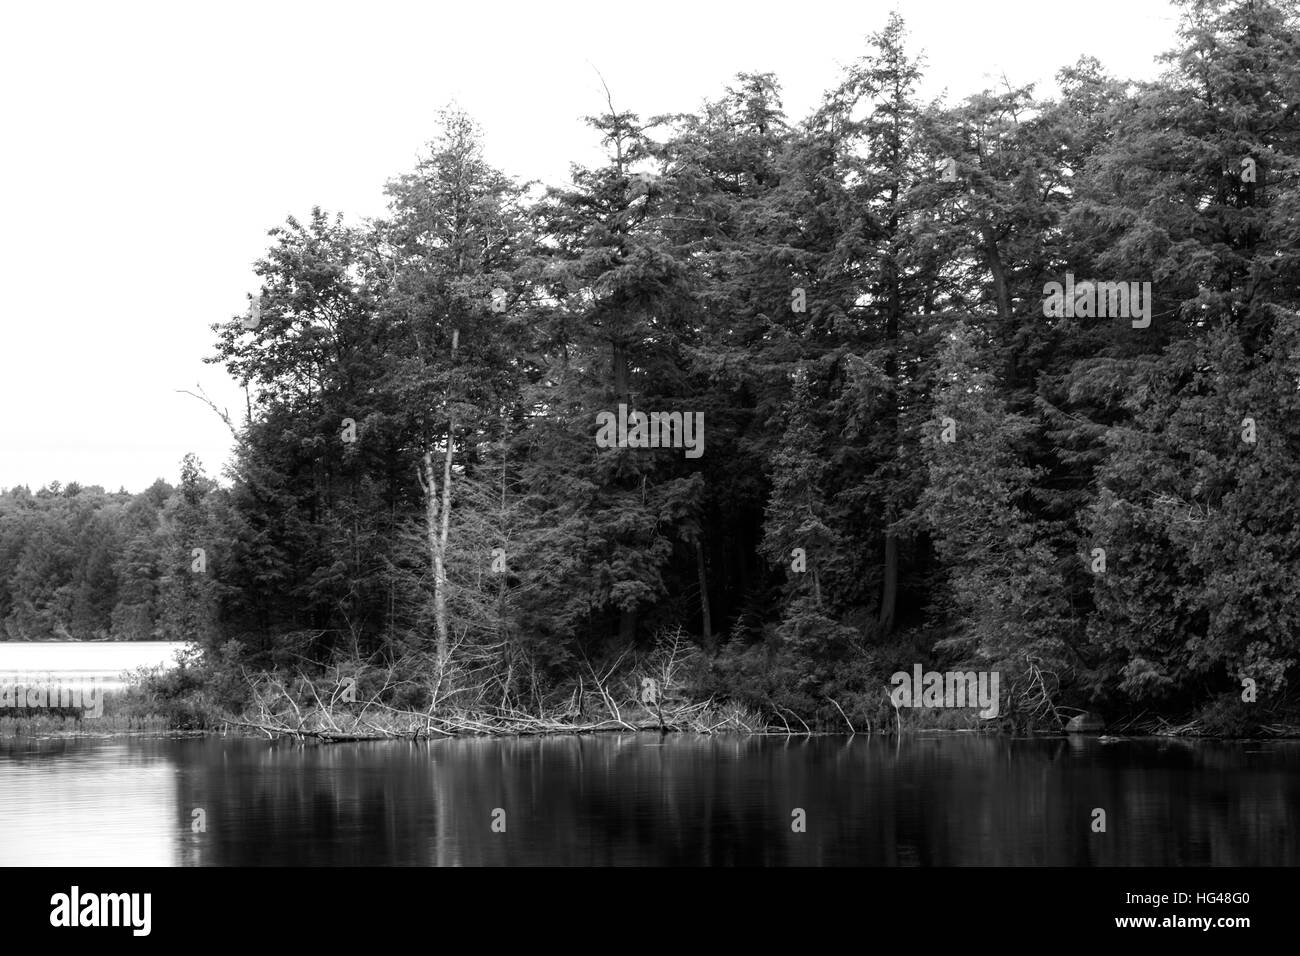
{"x":436,"y":534}
{"x":893,"y":278}
{"x":889,"y":593}
{"x":440,"y":569}
{"x":999,"y":274}
{"x":622,"y":385}
{"x":622,"y":373}
{"x":705,"y":616}
{"x":501,"y":585}
{"x":626,"y":627}
{"x":438,"y":525}
{"x":1002,"y":295}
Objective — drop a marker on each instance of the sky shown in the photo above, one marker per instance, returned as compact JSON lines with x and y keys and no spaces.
{"x":146,"y":149}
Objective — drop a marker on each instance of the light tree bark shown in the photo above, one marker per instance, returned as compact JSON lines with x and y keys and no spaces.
{"x":437,"y":521}
{"x":437,"y":505}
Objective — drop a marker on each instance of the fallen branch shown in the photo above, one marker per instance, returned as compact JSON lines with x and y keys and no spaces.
{"x":842,"y":714}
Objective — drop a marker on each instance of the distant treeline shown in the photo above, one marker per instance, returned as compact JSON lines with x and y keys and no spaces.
{"x":914,"y":451}
{"x":78,"y":563}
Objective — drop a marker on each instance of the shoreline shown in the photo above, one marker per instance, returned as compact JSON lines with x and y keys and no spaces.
{"x":14,"y":730}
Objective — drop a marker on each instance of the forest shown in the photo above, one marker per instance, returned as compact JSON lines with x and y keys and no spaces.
{"x":928,"y":441}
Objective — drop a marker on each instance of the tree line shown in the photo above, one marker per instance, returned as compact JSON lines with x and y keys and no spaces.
{"x":910,"y":458}
{"x":81,"y":564}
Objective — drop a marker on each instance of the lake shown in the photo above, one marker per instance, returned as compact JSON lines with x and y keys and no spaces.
{"x":641,"y":799}
{"x":79,"y":662}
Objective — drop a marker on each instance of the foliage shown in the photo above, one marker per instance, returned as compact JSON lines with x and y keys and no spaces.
{"x":827,"y":293}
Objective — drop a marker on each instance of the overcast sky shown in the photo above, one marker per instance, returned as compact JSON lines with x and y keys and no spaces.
{"x":145,"y":149}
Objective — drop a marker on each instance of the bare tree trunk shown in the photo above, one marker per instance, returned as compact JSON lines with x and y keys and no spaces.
{"x":437,"y":518}
{"x":436,"y":534}
{"x":501,"y":585}
{"x":439,"y":568}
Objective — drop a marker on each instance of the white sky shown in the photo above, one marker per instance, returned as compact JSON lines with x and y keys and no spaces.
{"x":145,"y":149}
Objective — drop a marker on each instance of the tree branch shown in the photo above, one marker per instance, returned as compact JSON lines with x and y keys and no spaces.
{"x":222,"y":413}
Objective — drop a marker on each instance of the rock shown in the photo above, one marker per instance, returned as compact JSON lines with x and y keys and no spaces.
{"x":1085,"y":724}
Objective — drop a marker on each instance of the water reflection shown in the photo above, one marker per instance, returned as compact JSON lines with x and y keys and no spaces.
{"x":624,"y":800}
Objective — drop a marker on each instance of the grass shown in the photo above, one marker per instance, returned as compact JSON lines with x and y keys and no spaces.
{"x":44,"y":724}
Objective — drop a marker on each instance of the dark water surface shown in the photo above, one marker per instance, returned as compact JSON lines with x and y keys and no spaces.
{"x":641,"y":799}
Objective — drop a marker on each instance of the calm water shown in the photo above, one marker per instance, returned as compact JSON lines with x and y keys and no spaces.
{"x":646,"y":800}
